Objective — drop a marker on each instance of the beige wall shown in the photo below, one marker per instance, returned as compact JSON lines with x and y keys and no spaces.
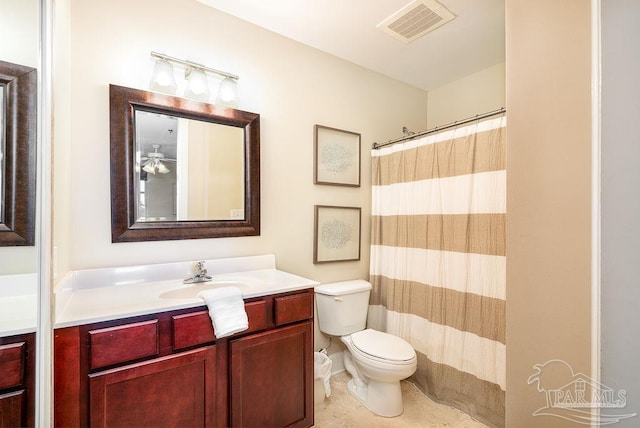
{"x":61,"y":138}
{"x":474,"y":94}
{"x":215,"y":156}
{"x":19,"y":32}
{"x":548,"y":197}
{"x":226,"y":165}
{"x":292,"y":86}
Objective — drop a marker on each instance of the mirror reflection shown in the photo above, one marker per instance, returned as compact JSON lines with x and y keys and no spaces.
{"x":19,"y":59}
{"x":181,"y":169}
{"x":18,"y":154}
{"x":187,"y":170}
{"x":2,"y":149}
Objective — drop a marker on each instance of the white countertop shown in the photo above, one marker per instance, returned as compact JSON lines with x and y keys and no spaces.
{"x":18,"y":304}
{"x":105,"y":294}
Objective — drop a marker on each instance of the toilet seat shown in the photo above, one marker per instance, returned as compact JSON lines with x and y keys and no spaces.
{"x":382,"y":347}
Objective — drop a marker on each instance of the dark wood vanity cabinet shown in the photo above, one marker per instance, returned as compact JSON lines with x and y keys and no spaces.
{"x":169,"y":369}
{"x":271,"y":373}
{"x":271,"y":378}
{"x":17,"y":381}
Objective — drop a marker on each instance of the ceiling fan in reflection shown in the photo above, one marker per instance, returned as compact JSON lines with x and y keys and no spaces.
{"x":154,"y":161}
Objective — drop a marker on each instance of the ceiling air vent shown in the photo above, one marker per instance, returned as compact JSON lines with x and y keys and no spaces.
{"x":415,"y":20}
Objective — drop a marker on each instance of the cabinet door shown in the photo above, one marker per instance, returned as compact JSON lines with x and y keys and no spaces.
{"x":11,"y":409}
{"x":271,"y":378}
{"x":173,"y":391}
{"x":17,"y":381}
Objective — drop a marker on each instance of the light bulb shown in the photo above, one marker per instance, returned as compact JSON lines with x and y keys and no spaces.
{"x":197,"y":87}
{"x":163,"y":79}
{"x":228,"y":91}
{"x":162,"y":169}
{"x":148,"y":167}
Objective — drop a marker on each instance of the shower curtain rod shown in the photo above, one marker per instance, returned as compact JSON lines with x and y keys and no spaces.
{"x":376,"y":146}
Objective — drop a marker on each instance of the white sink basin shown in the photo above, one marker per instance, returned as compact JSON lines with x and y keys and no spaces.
{"x":191,"y":291}
{"x":104,"y":294}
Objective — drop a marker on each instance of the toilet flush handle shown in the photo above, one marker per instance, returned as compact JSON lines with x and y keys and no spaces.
{"x":338,"y":299}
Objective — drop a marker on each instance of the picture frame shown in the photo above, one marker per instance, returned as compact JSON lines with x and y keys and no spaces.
{"x":336,"y":157}
{"x":337,"y":234}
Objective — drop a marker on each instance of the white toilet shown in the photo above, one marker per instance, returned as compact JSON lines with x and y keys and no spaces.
{"x":377,"y":361}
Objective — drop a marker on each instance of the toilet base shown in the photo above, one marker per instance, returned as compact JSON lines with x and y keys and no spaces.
{"x":382,"y":398}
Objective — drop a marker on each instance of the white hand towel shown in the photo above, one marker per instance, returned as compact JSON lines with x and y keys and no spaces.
{"x":226,"y":309}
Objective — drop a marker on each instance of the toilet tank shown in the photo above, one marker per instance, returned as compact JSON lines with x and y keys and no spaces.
{"x":342,"y":306}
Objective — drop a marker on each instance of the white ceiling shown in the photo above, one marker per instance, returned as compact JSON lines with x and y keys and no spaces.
{"x":473,"y":41}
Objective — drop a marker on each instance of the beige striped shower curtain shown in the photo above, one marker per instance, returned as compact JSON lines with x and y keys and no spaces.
{"x":438,"y":261}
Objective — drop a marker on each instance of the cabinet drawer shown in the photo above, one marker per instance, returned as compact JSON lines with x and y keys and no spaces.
{"x":12,"y":363}
{"x":257,"y":315}
{"x":123,"y":343}
{"x":192,"y":329}
{"x":292,"y":308}
{"x":195,"y":328}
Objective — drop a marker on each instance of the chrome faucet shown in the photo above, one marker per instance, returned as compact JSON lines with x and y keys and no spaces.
{"x":199,"y":274}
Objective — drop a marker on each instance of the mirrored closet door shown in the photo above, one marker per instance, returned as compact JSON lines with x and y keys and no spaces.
{"x":19,"y":281}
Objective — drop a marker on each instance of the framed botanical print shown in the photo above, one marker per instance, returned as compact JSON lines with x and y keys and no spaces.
{"x":336,"y":157}
{"x":337,"y":234}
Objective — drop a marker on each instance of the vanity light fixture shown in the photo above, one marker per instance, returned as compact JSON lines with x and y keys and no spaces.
{"x":163,"y":79}
{"x":197,"y":86}
{"x":228,"y":91}
{"x":196,"y":76}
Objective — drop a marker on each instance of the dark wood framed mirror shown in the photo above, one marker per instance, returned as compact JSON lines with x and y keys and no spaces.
{"x":171,"y":159}
{"x":18,"y":113}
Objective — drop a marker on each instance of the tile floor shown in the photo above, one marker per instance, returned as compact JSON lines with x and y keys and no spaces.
{"x":343,"y":411}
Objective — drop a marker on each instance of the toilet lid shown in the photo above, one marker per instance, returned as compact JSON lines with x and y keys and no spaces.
{"x":382,"y":345}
